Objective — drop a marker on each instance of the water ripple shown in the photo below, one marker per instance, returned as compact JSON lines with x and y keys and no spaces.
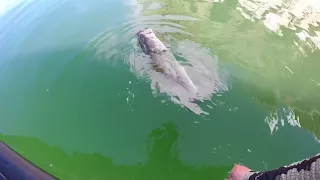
{"x":119,"y":45}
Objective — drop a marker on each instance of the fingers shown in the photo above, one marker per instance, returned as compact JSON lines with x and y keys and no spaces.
{"x":238,"y":172}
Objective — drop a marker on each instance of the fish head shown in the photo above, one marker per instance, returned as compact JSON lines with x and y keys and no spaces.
{"x":149,"y":42}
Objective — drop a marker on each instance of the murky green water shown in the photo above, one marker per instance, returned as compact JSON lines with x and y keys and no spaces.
{"x":76,"y":101}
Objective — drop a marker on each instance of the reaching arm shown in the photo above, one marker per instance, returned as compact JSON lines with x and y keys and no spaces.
{"x":308,"y":169}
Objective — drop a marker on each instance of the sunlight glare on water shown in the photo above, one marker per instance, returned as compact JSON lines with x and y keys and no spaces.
{"x":6,"y":5}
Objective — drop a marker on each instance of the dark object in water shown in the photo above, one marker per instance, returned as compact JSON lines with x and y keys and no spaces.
{"x":14,"y":167}
{"x":163,"y":60}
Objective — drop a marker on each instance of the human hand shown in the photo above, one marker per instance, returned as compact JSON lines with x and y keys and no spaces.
{"x":238,"y":172}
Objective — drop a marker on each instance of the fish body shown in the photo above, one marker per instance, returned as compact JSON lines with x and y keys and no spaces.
{"x":162,"y":60}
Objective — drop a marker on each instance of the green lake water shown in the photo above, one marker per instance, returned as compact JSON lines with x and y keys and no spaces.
{"x":76,"y":98}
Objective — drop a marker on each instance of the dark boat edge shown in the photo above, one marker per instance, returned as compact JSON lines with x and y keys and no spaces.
{"x":14,"y":166}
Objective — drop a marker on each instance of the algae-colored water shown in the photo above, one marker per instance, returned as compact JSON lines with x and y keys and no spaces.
{"x":78,"y":100}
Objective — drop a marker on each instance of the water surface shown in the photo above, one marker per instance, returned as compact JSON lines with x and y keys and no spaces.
{"x":76,"y":98}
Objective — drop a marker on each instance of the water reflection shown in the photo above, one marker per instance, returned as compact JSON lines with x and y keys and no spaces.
{"x":309,"y":119}
{"x":163,"y":160}
{"x":301,"y":16}
{"x":286,"y":109}
{"x":280,"y":117}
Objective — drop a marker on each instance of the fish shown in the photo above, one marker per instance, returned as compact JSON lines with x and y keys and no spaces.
{"x":162,"y":59}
